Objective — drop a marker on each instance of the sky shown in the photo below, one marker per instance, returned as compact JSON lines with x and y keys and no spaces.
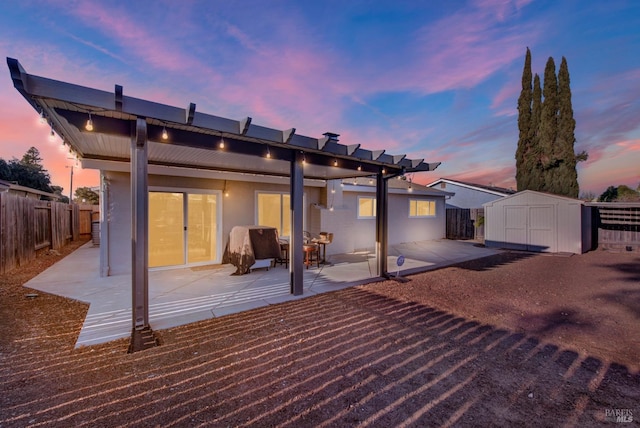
{"x":432,"y":80}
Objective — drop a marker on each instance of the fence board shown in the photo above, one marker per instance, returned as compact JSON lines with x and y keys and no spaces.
{"x":618,"y":225}
{"x":28,"y":225}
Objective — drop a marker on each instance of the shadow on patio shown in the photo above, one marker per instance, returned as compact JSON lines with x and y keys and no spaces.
{"x":185,"y":295}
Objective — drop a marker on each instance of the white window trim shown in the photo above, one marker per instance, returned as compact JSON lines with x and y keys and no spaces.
{"x":435,"y":208}
{"x":362,"y":217}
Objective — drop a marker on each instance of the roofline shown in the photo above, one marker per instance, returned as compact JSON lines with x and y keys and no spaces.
{"x":457,"y":183}
{"x":102,"y":104}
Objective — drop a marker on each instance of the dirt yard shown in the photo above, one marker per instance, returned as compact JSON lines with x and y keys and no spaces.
{"x":510,"y":340}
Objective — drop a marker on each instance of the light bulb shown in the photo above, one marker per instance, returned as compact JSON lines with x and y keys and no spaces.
{"x":268,"y":153}
{"x":165,"y":135}
{"x":359,"y":167}
{"x":89,"y":125}
{"x":222,"y":143}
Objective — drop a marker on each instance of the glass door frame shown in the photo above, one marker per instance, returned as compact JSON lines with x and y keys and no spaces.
{"x":185,"y":203}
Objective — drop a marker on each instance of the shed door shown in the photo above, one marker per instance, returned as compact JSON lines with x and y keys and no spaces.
{"x":531,"y":228}
{"x":542,"y":233}
{"x":515,"y":233}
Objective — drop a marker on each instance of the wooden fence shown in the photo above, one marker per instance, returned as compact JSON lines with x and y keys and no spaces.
{"x":29,"y":225}
{"x":618,"y":225}
{"x":465,"y":223}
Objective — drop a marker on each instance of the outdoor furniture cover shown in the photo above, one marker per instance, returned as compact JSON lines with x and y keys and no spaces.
{"x":250,"y":243}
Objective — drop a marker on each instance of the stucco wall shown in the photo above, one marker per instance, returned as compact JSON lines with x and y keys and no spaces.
{"x":352,"y":234}
{"x":239,"y":208}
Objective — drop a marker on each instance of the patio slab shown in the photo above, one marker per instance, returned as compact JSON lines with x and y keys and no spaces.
{"x":185,"y":295}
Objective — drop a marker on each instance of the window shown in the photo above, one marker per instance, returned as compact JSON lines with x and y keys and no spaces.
{"x":366,"y":207}
{"x":274,"y":210}
{"x":422,"y":208}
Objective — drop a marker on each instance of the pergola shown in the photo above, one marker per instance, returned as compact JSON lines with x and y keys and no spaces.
{"x":101,"y":126}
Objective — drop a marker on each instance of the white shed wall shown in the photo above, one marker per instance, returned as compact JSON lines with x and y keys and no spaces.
{"x":538,"y":222}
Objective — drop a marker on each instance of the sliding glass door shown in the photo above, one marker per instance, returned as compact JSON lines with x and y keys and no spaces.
{"x":183,"y":228}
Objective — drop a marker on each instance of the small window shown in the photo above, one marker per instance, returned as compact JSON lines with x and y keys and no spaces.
{"x":366,"y":207}
{"x":422,"y":208}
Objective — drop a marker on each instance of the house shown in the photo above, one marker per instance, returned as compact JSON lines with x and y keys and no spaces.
{"x":469,"y":195}
{"x":175,"y":181}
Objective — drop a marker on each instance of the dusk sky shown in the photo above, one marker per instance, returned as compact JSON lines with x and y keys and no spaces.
{"x":432,"y":80}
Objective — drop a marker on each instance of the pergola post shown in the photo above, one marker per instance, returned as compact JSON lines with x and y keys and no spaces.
{"x":382,"y":200}
{"x":296,"y":239}
{"x":141,"y":336}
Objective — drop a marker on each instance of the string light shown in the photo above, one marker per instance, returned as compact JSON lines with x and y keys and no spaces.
{"x":89,"y":125}
{"x":165,"y":135}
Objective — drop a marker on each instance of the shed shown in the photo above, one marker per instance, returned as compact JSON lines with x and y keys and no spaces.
{"x":541,"y":222}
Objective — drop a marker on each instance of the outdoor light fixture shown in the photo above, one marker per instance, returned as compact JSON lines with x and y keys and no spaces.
{"x":333,"y":188}
{"x":359,"y":167}
{"x":342,"y":184}
{"x":221,"y":143}
{"x":331,"y":209}
{"x":384,"y":171}
{"x":371,"y":181}
{"x":165,"y":135}
{"x":335,"y":162}
{"x":268,"y":153}
{"x":89,"y":125}
{"x":224,"y":190}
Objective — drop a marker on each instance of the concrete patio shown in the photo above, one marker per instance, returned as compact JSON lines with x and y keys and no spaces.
{"x":185,"y":295}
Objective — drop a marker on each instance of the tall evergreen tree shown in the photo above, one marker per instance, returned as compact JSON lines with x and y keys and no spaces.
{"x":545,"y":157}
{"x":534,"y":163}
{"x":549,"y":125}
{"x":523,"y":152}
{"x":567,"y":176}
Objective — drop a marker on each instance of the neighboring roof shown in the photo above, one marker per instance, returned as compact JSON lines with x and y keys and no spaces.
{"x":193,"y":137}
{"x":494,"y":190}
{"x":16,"y":188}
{"x":367,"y":184}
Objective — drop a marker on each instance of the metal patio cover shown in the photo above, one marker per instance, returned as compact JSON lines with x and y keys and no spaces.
{"x":128,"y":130}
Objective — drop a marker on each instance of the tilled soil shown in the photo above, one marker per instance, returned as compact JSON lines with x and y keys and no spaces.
{"x":510,"y":340}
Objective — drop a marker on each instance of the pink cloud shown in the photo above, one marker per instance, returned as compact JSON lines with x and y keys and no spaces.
{"x":153,"y":49}
{"x":465,"y":48}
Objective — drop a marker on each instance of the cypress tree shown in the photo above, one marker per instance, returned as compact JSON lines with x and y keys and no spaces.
{"x":523,"y":152}
{"x":534,"y":162}
{"x":567,"y":176}
{"x":549,"y":126}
